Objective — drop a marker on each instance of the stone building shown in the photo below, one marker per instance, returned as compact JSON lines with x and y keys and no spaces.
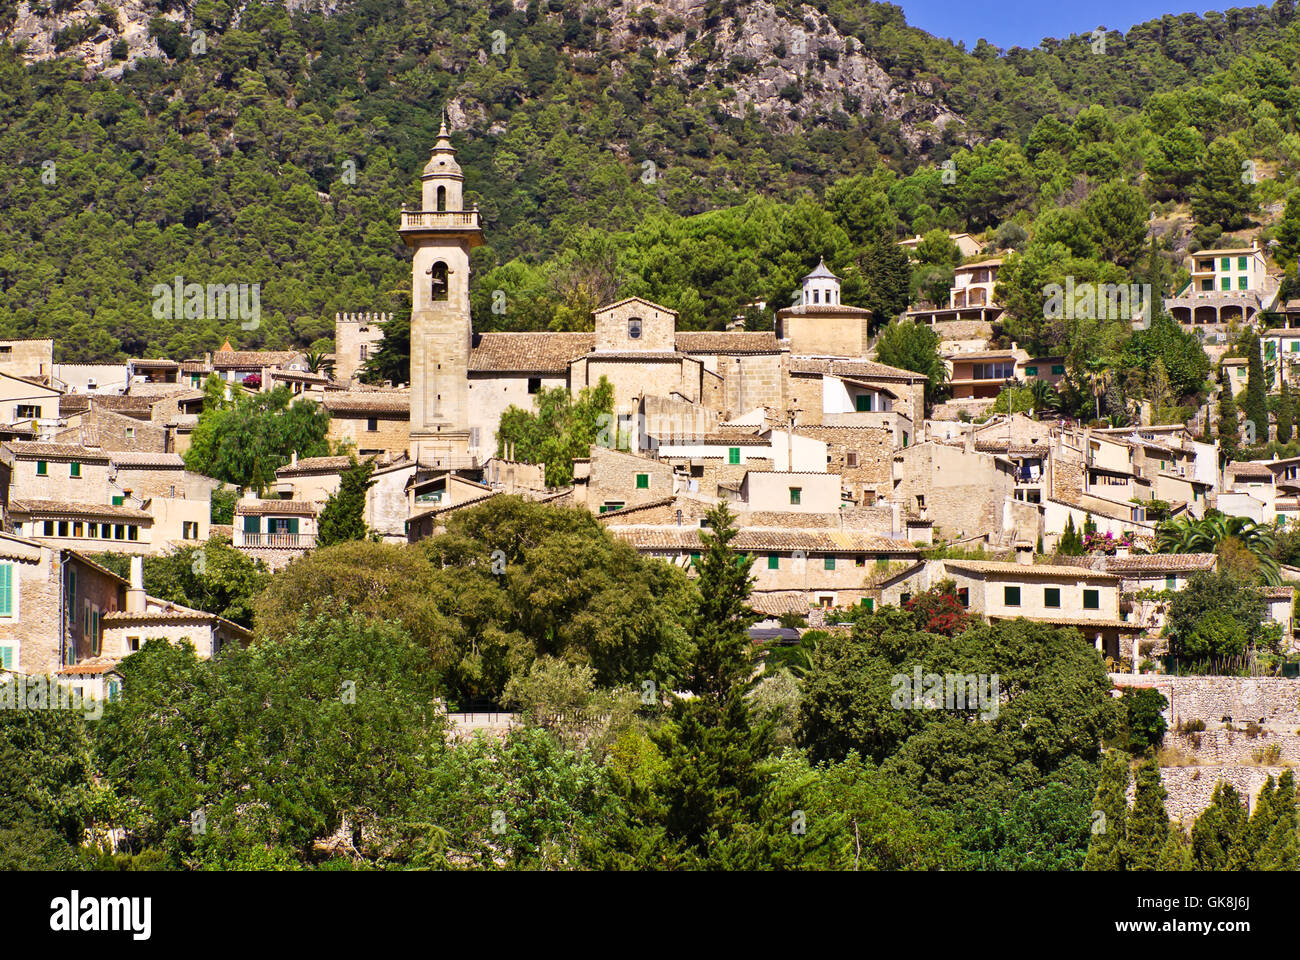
{"x":357,"y":337}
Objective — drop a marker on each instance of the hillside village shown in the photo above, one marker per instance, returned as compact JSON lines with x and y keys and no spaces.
{"x":849,"y":490}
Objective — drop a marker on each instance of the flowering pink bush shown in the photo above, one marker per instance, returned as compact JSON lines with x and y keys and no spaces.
{"x":1106,"y":542}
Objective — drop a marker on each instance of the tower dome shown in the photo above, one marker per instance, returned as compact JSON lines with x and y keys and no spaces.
{"x":443,"y":182}
{"x":821,"y":287}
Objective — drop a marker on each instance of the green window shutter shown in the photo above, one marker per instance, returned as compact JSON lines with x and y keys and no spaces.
{"x":1011,"y":596}
{"x":1051,"y":596}
{"x":829,"y":563}
{"x":1225,"y":263}
{"x":733,"y":455}
{"x":6,"y":589}
{"x":7,"y":657}
{"x":796,"y":494}
{"x":871,"y":604}
{"x":1057,"y":369}
{"x":42,"y":468}
{"x":118,"y":500}
{"x":862,"y":403}
{"x":773,"y":562}
{"x":1031,"y":371}
{"x":1091,"y":600}
{"x":252,"y":524}
{"x":643,"y":481}
{"x":1241,"y":263}
{"x":74,"y":469}
{"x":1170,"y":583}
{"x":293,"y":524}
{"x":1225,"y":283}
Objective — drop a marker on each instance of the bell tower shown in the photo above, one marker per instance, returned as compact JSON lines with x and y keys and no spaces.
{"x":442,"y":233}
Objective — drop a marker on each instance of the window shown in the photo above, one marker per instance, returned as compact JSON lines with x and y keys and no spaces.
{"x":1011,"y":596}
{"x":1241,"y":263}
{"x":534,"y":384}
{"x":828,"y":563}
{"x":695,"y":557}
{"x":905,"y":438}
{"x":851,"y":459}
{"x":903,"y":598}
{"x":1225,"y":263}
{"x":1058,"y":369}
{"x":361,"y":352}
{"x":643,"y":481}
{"x":1031,"y":371}
{"x":130,"y":433}
{"x":77,"y":530}
{"x":252,"y":524}
{"x":1241,"y":283}
{"x":27,"y":411}
{"x":1052,"y":597}
{"x":862,"y":403}
{"x":7,"y":657}
{"x":74,"y":469}
{"x":796,"y":494}
{"x":42,"y":468}
{"x":47,"y":528}
{"x":6,"y":589}
{"x":1092,"y":599}
{"x":999,"y":370}
{"x":96,"y":632}
{"x":133,"y":532}
{"x":634,"y":328}
{"x":1225,"y":283}
{"x":63,"y":528}
{"x":733,"y":455}
{"x":372,"y":424}
{"x":882,"y":562}
{"x":190,"y":530}
{"x":114,"y":689}
{"x":118,"y":500}
{"x":1170,"y":583}
{"x":869,"y":604}
{"x":442,"y":199}
{"x":438,"y":281}
{"x":609,"y":506}
{"x":963,"y":596}
{"x":119,"y":531}
{"x":133,"y":644}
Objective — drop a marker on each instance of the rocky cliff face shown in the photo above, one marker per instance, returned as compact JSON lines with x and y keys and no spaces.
{"x":781,"y":66}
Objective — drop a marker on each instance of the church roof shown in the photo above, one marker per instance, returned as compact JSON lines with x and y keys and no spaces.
{"x":820,"y":272}
{"x":528,"y":352}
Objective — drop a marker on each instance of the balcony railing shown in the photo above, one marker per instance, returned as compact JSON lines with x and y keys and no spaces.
{"x":284,"y":541}
{"x":441,"y":220}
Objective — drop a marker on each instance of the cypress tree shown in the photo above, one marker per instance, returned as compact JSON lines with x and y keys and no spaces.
{"x":1070,"y":544}
{"x":1274,"y":841}
{"x":1229,"y":436}
{"x":1106,"y":849}
{"x":1285,"y":414}
{"x":1256,"y":405}
{"x":1218,"y":834}
{"x":1148,"y":823}
{"x":344,"y":515}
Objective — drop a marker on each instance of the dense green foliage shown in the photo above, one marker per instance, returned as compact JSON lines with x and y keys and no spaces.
{"x":562,"y":428}
{"x":344,"y":515}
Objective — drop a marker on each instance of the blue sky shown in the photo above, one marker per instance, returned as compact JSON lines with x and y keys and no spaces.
{"x":1009,"y":23}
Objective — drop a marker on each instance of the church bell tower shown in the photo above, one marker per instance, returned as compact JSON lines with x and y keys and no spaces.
{"x":442,"y":233}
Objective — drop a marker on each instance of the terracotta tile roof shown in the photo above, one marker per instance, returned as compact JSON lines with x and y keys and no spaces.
{"x":1082,"y":622}
{"x":763,"y":539}
{"x":853,"y":368}
{"x":1159,"y":562}
{"x":195,"y":366}
{"x":135,"y":406}
{"x":528,"y":352}
{"x":241,"y":359}
{"x":1277,"y":593}
{"x":66,"y":509}
{"x":712,"y":439}
{"x":310,"y":465}
{"x":455,"y":506}
{"x":719,"y":342}
{"x":262,"y":508}
{"x":776,"y":602}
{"x":31,"y":450}
{"x":1250,"y":469}
{"x":368,"y":402}
{"x":89,"y":668}
{"x":1008,"y":568}
{"x":154,"y":364}
{"x":138,"y":461}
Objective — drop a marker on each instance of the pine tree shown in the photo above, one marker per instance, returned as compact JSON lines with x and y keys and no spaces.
{"x":1148,"y":823}
{"x":1256,"y":405}
{"x":1273,"y":839}
{"x":1106,"y":849}
{"x":1285,"y":414}
{"x":344,"y":515}
{"x":1176,"y":854}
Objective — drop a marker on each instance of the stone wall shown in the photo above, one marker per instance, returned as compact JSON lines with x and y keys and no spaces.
{"x":391,"y":436}
{"x":1189,"y":789}
{"x":874,"y":447}
{"x":114,"y":432}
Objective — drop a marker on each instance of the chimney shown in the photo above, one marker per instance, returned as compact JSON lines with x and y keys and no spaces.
{"x":293,"y":459}
{"x":135,"y":596}
{"x":1024,"y":552}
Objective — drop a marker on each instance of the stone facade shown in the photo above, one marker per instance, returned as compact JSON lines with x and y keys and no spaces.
{"x":357,"y":337}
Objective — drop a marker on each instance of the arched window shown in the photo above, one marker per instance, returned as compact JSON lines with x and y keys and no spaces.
{"x":634,"y":328}
{"x":442,"y":198}
{"x":438,"y":286}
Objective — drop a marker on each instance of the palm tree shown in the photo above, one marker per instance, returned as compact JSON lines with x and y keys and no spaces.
{"x":318,"y":361}
{"x":1211,"y":534}
{"x":1043,"y":396}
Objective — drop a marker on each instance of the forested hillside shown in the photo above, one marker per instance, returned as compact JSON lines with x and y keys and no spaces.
{"x":271,"y":143}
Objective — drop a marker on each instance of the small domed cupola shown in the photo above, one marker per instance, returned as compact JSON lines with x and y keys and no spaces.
{"x":442,"y":178}
{"x":821,"y":287}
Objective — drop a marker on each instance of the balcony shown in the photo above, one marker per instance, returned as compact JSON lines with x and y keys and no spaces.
{"x":277,"y":541}
{"x":451,"y":220}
